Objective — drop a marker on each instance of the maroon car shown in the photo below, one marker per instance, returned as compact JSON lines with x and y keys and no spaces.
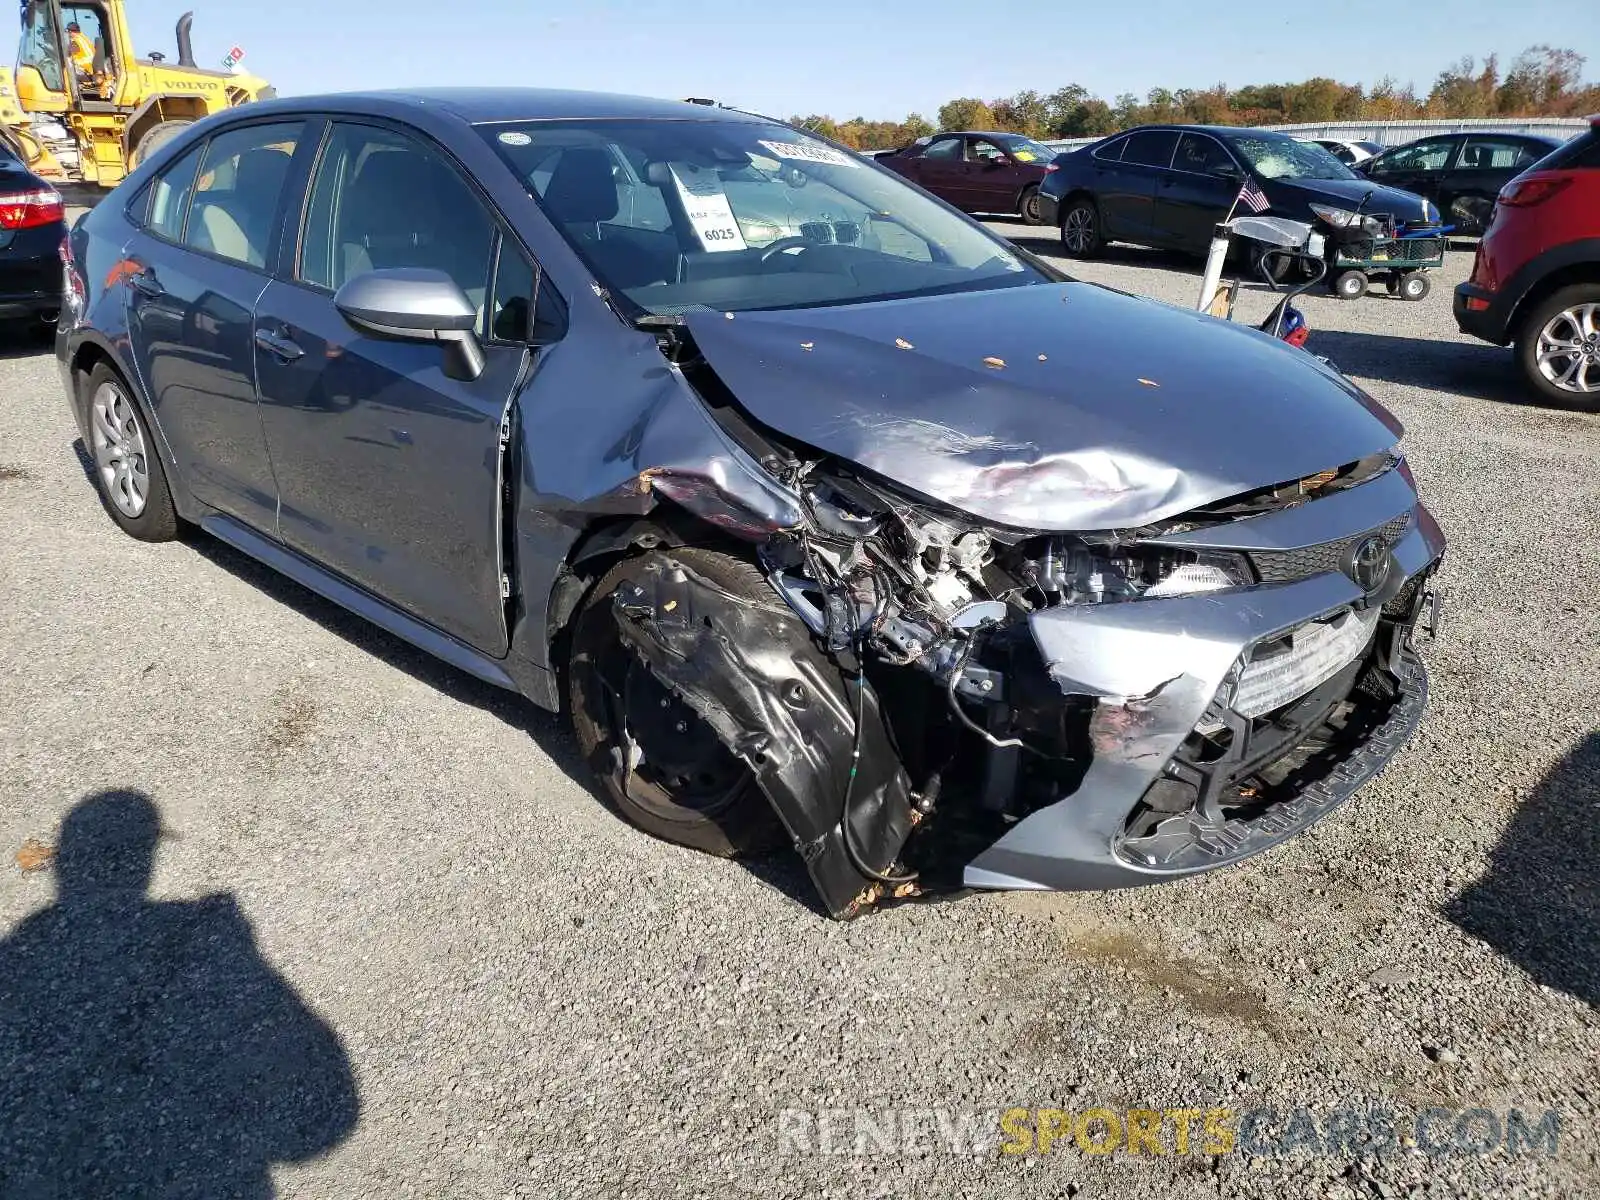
{"x":978,"y":172}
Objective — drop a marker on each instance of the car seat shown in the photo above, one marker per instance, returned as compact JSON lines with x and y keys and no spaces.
{"x":237,"y":223}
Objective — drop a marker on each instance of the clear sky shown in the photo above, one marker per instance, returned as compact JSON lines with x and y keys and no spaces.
{"x":873,"y":58}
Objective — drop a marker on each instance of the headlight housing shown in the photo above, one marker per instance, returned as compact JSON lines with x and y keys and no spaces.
{"x":1344,"y":218}
{"x":1092,"y":575}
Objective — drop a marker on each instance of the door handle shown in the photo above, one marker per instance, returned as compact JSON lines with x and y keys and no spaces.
{"x":279,"y":345}
{"x":146,"y":284}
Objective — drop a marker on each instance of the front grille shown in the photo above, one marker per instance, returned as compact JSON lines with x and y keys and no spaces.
{"x":1285,"y":566}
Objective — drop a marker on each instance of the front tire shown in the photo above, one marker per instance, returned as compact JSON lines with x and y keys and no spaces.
{"x":1080,"y":229}
{"x":661,"y":766}
{"x":127,"y":467}
{"x":1350,"y":285}
{"x":1558,"y":348}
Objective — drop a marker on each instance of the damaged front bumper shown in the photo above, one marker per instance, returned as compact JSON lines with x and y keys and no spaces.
{"x":1225,"y":724}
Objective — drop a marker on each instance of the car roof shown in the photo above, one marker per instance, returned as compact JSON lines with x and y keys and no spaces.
{"x":482,"y":105}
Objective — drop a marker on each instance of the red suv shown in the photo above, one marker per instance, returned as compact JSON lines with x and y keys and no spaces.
{"x":1536,"y":281}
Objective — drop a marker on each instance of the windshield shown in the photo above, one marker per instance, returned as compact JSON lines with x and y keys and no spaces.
{"x":1285,"y":158}
{"x":1025,"y":149}
{"x":728,"y":215}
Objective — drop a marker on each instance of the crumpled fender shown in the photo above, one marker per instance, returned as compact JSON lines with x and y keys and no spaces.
{"x":754,"y":674}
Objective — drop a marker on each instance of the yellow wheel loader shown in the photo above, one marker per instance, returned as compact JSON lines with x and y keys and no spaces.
{"x":82,"y":108}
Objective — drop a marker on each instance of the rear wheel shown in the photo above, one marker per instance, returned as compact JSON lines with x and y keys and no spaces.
{"x":1031,"y":208}
{"x":1080,"y":229}
{"x":662,"y":766}
{"x":156,"y":137}
{"x":1558,"y":347}
{"x":1414,"y":285}
{"x":127,"y":468}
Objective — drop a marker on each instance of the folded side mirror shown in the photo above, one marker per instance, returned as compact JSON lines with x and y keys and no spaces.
{"x":414,"y":304}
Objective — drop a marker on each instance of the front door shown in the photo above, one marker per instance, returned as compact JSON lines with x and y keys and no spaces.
{"x":196,"y":269}
{"x":389,"y":470}
{"x":994,"y":179}
{"x":1197,"y":193}
{"x":1418,"y":168}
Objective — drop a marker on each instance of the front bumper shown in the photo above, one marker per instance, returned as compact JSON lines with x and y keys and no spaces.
{"x":1156,"y":670}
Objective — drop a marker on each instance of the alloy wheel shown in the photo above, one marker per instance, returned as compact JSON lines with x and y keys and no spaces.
{"x":1568,"y":354}
{"x":120,"y":454}
{"x":1077,"y":231}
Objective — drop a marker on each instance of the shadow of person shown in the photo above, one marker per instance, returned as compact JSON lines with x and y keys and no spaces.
{"x":1539,"y":905}
{"x":146,"y":1048}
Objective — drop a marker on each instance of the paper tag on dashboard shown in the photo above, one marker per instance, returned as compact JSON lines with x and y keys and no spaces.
{"x":814,"y":152}
{"x":708,"y":209}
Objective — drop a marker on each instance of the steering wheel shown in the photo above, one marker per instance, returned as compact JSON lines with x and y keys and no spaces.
{"x":782,"y":244}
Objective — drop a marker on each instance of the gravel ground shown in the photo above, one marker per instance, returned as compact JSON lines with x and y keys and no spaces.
{"x":394,"y":946}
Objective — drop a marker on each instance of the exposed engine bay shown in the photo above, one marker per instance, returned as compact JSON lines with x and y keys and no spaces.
{"x":1044,"y":709}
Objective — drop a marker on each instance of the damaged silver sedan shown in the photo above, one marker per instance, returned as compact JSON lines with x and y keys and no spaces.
{"x":881,"y":539}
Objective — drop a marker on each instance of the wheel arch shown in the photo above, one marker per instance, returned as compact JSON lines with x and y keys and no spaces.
{"x":1582,"y":270}
{"x":92,"y":352}
{"x":152,"y":111}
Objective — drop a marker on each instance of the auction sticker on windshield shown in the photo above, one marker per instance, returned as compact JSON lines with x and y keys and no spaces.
{"x":706,"y":205}
{"x":811,"y":152}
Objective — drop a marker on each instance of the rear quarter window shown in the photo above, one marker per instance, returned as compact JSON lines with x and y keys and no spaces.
{"x":1580,"y":154}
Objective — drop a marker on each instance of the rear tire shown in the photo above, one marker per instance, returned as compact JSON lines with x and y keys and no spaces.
{"x":127,"y":466}
{"x":685,"y":787}
{"x":156,"y":137}
{"x":1414,"y":286}
{"x":1568,"y":318}
{"x":1080,"y":229}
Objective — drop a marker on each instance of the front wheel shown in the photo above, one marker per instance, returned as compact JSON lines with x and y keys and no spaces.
{"x":660,"y":764}
{"x":1350,"y":285}
{"x":1558,"y":348}
{"x":1032,"y":208}
{"x":1414,"y":285}
{"x":1080,"y":230}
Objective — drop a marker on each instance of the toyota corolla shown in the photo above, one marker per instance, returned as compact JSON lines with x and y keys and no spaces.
{"x":881,"y":539}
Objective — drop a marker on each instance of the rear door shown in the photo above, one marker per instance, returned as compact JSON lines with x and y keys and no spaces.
{"x":1485,"y":165}
{"x":942,"y":169}
{"x":1128,"y":193}
{"x":1197,"y":192}
{"x":195,"y":270}
{"x":389,"y":470}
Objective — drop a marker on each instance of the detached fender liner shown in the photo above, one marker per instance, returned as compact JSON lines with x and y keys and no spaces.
{"x":754,"y":674}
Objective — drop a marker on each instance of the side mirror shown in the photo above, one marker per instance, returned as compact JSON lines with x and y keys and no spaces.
{"x":416,"y":305}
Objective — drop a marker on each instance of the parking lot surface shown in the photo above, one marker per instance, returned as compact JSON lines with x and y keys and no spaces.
{"x":433,"y":963}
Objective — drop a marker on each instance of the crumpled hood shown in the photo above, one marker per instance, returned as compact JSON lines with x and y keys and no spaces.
{"x":1045,"y":407}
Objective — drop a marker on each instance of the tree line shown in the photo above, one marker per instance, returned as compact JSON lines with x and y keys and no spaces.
{"x":1542,"y":81}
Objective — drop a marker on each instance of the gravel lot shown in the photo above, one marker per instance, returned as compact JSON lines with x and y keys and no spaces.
{"x":395,"y":946}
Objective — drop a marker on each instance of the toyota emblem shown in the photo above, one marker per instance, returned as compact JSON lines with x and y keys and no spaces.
{"x":1369,"y":564}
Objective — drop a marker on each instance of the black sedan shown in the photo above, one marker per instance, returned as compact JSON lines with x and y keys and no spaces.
{"x":880,"y":539}
{"x":1461,"y":173}
{"x":32,"y":228}
{"x":1169,"y":186}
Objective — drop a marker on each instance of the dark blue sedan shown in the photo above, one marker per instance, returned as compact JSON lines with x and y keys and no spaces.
{"x":833,"y":520}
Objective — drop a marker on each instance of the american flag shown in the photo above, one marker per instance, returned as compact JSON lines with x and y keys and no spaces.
{"x":1253,"y":198}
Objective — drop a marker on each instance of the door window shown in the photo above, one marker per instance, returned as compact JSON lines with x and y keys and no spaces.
{"x":1112,"y":151}
{"x":41,"y":47}
{"x":382,"y":200}
{"x":169,"y":196}
{"x":944,"y":148}
{"x":1151,"y":148}
{"x":1201,"y":155}
{"x":983,"y":150}
{"x":1496,"y":154}
{"x":512,"y":303}
{"x":235,"y":206}
{"x":1424,"y":156}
